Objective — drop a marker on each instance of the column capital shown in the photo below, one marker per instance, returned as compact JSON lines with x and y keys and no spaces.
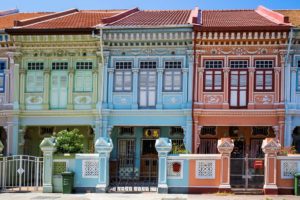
{"x":48,"y":145}
{"x":226,"y":69}
{"x":47,"y":71}
{"x":104,"y":146}
{"x":111,"y":70}
{"x":135,"y":70}
{"x":225,"y":145}
{"x":163,"y":146}
{"x":251,"y":69}
{"x":6,"y":71}
{"x":95,"y":71}
{"x":22,"y":71}
{"x":71,"y":71}
{"x":270,"y":146}
{"x":185,"y":70}
{"x":160,"y":70}
{"x":277,"y":69}
{"x":294,"y":69}
{"x":200,"y":69}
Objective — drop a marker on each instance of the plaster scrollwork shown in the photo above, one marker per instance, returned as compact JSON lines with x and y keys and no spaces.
{"x":213,"y":99}
{"x":240,"y":51}
{"x":83,"y":100}
{"x":34,"y":100}
{"x":264,"y":99}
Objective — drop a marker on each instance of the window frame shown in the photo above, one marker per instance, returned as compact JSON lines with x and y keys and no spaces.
{"x":213,"y":70}
{"x":123,"y":74}
{"x":35,"y":70}
{"x":86,"y":69}
{"x":173,"y":70}
{"x":2,"y":75}
{"x":297,"y":74}
{"x":263,"y":70}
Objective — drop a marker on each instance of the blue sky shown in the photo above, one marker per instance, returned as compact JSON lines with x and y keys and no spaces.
{"x":58,"y":5}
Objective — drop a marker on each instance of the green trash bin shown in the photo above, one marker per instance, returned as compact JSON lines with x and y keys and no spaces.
{"x":297,"y":184}
{"x":67,"y":182}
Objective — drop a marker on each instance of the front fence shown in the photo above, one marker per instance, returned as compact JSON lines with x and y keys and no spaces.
{"x":21,"y":173}
{"x":133,"y":174}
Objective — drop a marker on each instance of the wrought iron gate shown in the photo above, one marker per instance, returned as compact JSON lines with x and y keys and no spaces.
{"x":247,"y":173}
{"x":21,"y":173}
{"x":131,"y":174}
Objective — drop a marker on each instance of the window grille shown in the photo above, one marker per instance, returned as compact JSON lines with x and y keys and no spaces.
{"x":213,"y":64}
{"x":60,"y":66}
{"x":239,"y":64}
{"x":35,"y":66}
{"x":209,"y":130}
{"x":84,"y":65}
{"x":148,"y":65}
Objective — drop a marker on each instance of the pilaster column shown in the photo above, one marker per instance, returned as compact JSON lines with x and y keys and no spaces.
{"x":190,"y":77}
{"x":22,"y":88}
{"x":277,"y":84}
{"x":197,"y":138}
{"x":293,"y":85}
{"x":21,"y":140}
{"x":48,"y":148}
{"x":110,"y":87}
{"x":270,"y":147}
{"x":70,"y":90}
{"x":12,"y":132}
{"x":226,"y":72}
{"x":159,"y":87}
{"x":103,"y":146}
{"x":15,"y":78}
{"x":105,"y":81}
{"x":95,"y":88}
{"x":163,"y":147}
{"x":185,"y":87}
{"x":251,"y":71}
{"x":7,"y":87}
{"x":288,"y":131}
{"x":135,"y":86}
{"x":200,"y":85}
{"x":46,"y":89}
{"x":225,"y":147}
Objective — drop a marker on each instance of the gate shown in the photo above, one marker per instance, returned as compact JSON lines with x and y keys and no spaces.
{"x":131,"y":174}
{"x":247,"y":173}
{"x":21,"y":173}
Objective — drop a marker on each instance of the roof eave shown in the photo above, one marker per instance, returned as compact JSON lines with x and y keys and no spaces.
{"x":146,"y":27}
{"x":28,"y":31}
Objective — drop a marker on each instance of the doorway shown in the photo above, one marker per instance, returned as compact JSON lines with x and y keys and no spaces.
{"x":238,"y":88}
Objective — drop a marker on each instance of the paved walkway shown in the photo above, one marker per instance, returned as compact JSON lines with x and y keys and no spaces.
{"x":138,"y":196}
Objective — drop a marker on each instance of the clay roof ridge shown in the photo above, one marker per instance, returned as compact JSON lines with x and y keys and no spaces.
{"x":8,"y":12}
{"x":287,"y":10}
{"x":130,"y":13}
{"x":41,"y":19}
{"x":272,"y":16}
{"x":105,"y":10}
{"x":230,"y":10}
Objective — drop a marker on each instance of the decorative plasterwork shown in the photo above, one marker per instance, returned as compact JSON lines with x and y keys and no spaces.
{"x":175,"y":169}
{"x":90,"y":168}
{"x":254,"y":113}
{"x":239,"y":51}
{"x":213,"y":99}
{"x":289,"y":168}
{"x":205,"y":169}
{"x":264,"y":99}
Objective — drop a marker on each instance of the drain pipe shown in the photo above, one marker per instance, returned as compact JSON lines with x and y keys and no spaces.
{"x":288,"y":68}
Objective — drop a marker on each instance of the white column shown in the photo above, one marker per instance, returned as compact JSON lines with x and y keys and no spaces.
{"x":135,"y":86}
{"x":110,"y":87}
{"x":293,"y":85}
{"x":159,"y":87}
{"x":7,"y":87}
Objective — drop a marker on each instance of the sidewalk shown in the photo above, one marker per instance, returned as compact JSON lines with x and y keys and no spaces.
{"x":139,"y":196}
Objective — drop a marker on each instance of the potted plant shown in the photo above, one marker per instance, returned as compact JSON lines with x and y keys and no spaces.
{"x":69,"y":142}
{"x":179,"y":149}
{"x":284,"y":151}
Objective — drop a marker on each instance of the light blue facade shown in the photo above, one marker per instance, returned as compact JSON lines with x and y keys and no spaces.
{"x":154,"y":96}
{"x":292,"y":89}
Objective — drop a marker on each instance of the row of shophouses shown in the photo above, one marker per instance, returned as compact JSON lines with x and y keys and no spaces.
{"x":193,"y":76}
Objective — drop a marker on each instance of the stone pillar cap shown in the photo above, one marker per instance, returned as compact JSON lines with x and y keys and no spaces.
{"x":163,"y":145}
{"x":104,"y":144}
{"x":48,"y":144}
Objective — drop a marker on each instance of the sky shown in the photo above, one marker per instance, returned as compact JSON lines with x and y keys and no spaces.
{"x":59,"y":5}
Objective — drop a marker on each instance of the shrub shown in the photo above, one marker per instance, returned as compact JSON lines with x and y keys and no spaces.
{"x":69,"y":141}
{"x":287,"y":150}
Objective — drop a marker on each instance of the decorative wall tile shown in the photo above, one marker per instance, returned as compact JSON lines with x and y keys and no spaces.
{"x":213,"y":99}
{"x":205,"y":169}
{"x":90,"y":168}
{"x":175,"y":169}
{"x":264,"y":99}
{"x":289,"y":168}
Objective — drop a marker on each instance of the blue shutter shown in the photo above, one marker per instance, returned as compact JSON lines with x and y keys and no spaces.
{"x":2,"y":76}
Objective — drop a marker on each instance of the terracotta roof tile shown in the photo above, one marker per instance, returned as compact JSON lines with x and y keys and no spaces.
{"x":294,"y":16}
{"x":8,"y":20}
{"x":234,"y":18}
{"x":155,"y":18}
{"x":80,"y":19}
